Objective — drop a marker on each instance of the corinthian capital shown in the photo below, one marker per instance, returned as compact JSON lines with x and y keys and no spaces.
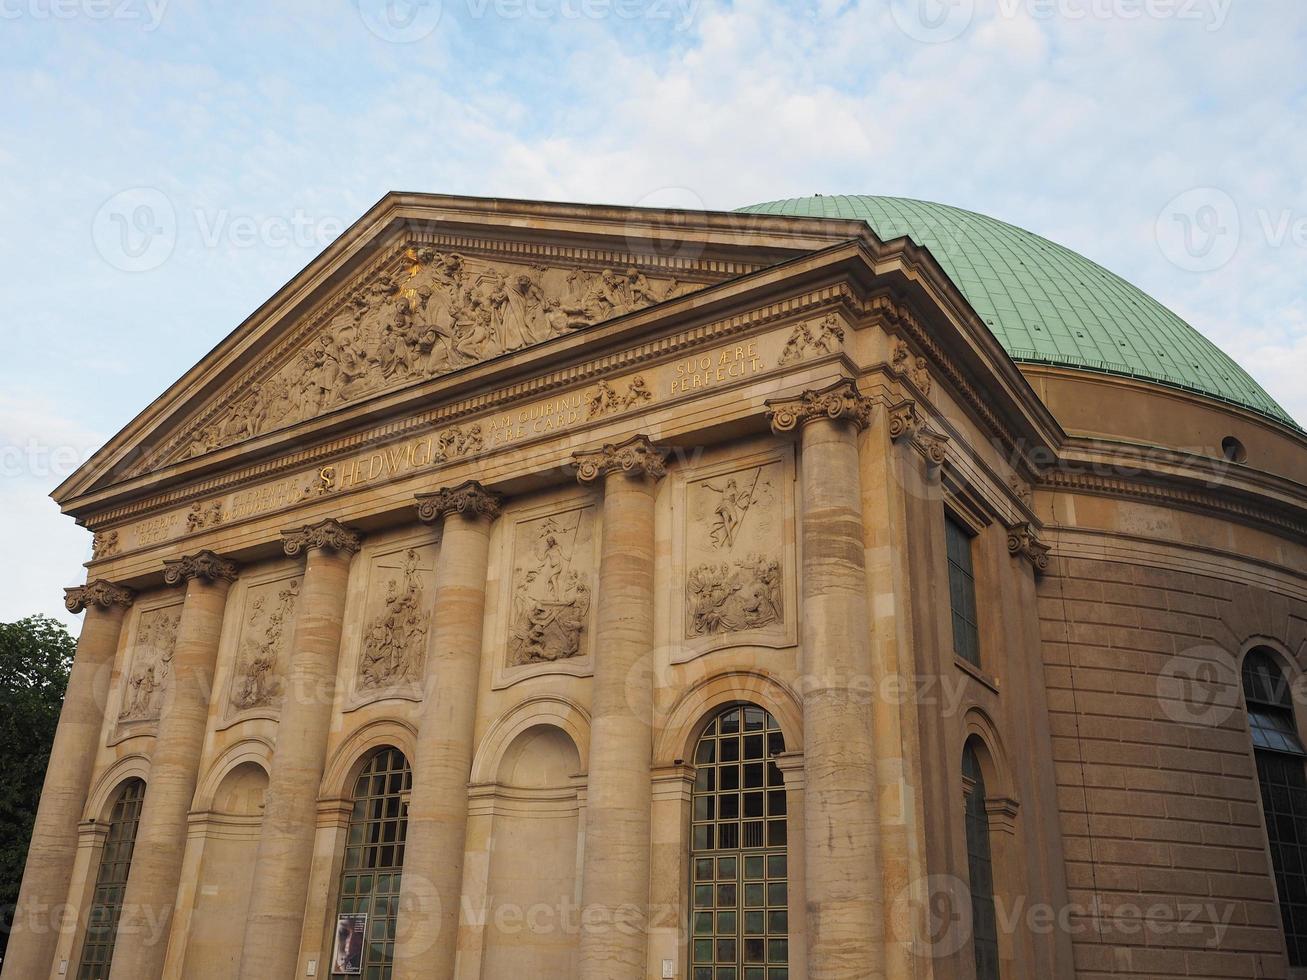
{"x":635,"y":457}
{"x":100,"y":593}
{"x":328,"y":535}
{"x":205,"y":565}
{"x":470,"y":499}
{"x":840,"y":401}
{"x":1022,"y":541}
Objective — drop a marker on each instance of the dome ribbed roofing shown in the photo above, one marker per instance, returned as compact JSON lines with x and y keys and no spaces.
{"x":1047,"y":304}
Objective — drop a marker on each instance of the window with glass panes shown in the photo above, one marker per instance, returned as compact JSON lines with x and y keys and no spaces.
{"x":738,"y":865}
{"x":980,"y":870}
{"x":111,"y":882}
{"x":374,"y":855}
{"x":1280,"y":758}
{"x":962,"y":590}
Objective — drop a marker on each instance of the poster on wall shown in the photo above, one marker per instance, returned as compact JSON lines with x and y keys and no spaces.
{"x":347,"y":954}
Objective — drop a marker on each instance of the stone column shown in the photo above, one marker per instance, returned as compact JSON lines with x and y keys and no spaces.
{"x":615,"y":874}
{"x":841,"y":859}
{"x":151,"y":893}
{"x":427,"y":931}
{"x":53,"y":847}
{"x":285,"y":853}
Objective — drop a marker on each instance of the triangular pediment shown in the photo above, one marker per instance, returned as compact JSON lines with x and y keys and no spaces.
{"x":423,"y":310}
{"x":421,"y":287}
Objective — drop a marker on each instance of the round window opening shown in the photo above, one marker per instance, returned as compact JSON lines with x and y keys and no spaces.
{"x":1232,"y":449}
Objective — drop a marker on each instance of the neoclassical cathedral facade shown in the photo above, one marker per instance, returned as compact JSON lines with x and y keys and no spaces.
{"x":837,"y":588}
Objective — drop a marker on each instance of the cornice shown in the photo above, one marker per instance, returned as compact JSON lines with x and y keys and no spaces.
{"x":1179,"y":493}
{"x":509,"y":394}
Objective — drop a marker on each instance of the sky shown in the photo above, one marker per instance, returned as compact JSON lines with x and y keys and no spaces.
{"x":166,"y":165}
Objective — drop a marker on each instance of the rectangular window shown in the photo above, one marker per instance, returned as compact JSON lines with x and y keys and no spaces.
{"x":962,"y":590}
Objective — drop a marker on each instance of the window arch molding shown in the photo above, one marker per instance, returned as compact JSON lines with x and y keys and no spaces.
{"x":356,"y":750}
{"x":255,"y":749}
{"x":1280,"y":773}
{"x":561,"y":713}
{"x":696,"y":708}
{"x":992,"y":757}
{"x":104,"y":792}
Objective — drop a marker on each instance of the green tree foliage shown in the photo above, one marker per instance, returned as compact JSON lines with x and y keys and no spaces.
{"x":36,"y":654}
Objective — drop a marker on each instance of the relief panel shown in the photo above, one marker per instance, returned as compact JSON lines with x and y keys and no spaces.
{"x":735,"y":554}
{"x":551,"y":564}
{"x":390,"y":633}
{"x":148,"y":675}
{"x":267,"y":624}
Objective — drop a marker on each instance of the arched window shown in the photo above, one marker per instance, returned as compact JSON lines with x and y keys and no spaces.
{"x":363,"y":943}
{"x":111,"y":882}
{"x":739,"y":869}
{"x":1279,"y":754}
{"x":980,"y":867}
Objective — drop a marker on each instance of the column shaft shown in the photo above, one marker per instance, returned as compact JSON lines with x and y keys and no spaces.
{"x":151,"y":893}
{"x":615,"y":875}
{"x":53,"y":847}
{"x":841,"y":834}
{"x":285,"y":852}
{"x":431,"y":888}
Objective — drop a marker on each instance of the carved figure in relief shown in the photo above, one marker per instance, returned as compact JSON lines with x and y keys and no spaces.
{"x":199,"y":516}
{"x":258,"y":686}
{"x":807,"y":340}
{"x":104,"y":544}
{"x":550,"y":599}
{"x":732,"y":504}
{"x":395,"y":645}
{"x":606,"y":399}
{"x":917,"y":368}
{"x":156,"y":641}
{"x":731,"y":596}
{"x":430,"y":313}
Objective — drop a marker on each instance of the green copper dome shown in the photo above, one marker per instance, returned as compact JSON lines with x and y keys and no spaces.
{"x":1045,"y":303}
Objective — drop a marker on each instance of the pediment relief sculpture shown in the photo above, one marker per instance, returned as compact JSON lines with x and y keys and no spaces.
{"x":427,"y":313}
{"x":146,"y":684}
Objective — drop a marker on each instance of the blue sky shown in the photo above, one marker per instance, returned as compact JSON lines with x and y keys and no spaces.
{"x":258,"y":135}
